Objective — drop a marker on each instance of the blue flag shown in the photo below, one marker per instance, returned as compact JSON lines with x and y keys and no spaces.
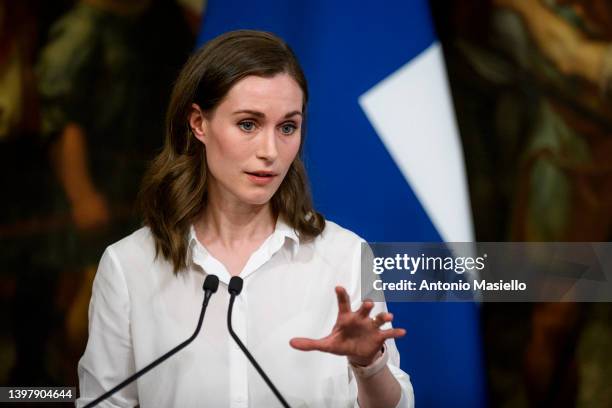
{"x":383,"y":155}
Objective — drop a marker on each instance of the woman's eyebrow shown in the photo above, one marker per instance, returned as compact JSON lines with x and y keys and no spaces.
{"x":250,"y":112}
{"x":290,"y":114}
{"x":262,"y":115}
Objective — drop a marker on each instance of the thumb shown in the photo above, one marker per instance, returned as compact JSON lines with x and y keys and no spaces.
{"x":304,"y":344}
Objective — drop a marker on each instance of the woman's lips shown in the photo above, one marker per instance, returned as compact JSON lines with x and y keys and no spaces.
{"x":261,"y":178}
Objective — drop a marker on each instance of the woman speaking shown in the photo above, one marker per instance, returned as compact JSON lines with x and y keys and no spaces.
{"x":228,"y":195}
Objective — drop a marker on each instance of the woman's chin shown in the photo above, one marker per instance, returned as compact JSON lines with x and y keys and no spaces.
{"x":257,"y":199}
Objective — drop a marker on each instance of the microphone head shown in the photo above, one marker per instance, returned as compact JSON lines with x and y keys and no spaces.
{"x":235,"y":285}
{"x":211,"y":283}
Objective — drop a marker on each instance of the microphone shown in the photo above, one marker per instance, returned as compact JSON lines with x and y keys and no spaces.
{"x":234,"y":288}
{"x":211,"y":284}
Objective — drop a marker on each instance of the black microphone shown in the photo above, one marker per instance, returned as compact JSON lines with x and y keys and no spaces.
{"x":211,"y":284}
{"x":234,"y":288}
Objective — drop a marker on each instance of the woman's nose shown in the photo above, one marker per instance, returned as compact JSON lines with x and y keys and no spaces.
{"x":266,"y":148}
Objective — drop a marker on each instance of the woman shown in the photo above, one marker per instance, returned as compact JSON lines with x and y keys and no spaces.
{"x":228,"y":196}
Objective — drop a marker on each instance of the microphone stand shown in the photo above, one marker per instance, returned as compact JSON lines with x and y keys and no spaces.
{"x":234,"y":288}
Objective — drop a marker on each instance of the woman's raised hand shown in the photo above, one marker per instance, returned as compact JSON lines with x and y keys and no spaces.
{"x":355,"y":334}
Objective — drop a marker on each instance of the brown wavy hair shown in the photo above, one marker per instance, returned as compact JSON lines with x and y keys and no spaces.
{"x":174,"y":189}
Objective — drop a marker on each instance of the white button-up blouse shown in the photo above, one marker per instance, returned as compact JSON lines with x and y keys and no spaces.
{"x":140,"y":309}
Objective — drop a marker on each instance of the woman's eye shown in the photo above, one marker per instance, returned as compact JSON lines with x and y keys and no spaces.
{"x":288,"y":129}
{"x":247,"y":125}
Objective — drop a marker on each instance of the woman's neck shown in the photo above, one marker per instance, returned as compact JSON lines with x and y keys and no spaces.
{"x":233,"y":224}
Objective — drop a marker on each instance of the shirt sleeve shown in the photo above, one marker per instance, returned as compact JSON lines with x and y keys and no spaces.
{"x":109,"y":357}
{"x":355,"y":292}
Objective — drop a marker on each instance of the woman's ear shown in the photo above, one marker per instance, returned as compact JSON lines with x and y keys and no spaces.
{"x":197,"y":122}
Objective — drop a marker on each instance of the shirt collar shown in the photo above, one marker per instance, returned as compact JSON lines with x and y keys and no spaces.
{"x":285,"y":230}
{"x":282,"y":230}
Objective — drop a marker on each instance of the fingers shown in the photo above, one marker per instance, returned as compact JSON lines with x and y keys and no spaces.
{"x":305,"y":344}
{"x":365,"y":308}
{"x":392,"y":333}
{"x":344,"y":302}
{"x":344,"y":306}
{"x":382,"y":318}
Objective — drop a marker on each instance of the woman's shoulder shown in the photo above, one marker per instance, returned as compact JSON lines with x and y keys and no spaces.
{"x":338,"y":240}
{"x":140,"y":240}
{"x":136,"y":249}
{"x":135,"y":261}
